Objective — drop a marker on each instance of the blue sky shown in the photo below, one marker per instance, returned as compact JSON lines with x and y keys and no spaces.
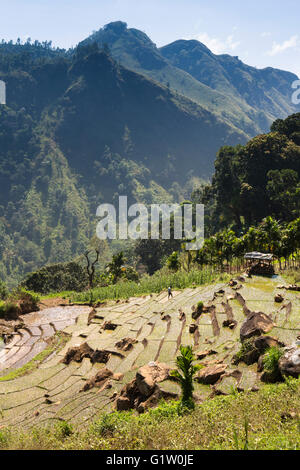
{"x":262,"y":32}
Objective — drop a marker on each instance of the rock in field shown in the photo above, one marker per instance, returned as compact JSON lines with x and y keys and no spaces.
{"x":126,"y":344}
{"x":265,"y":342}
{"x":289,"y":363}
{"x":211,"y":374}
{"x":203,"y":354}
{"x":256,"y":324}
{"x":143,"y":391}
{"x":151,"y":374}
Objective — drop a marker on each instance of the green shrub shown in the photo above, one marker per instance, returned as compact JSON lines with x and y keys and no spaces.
{"x":27,"y":301}
{"x":271,"y":359}
{"x":200,"y":306}
{"x":19,"y":302}
{"x":173,"y":262}
{"x":57,"y":278}
{"x":9,"y":310}
{"x":63,"y":430}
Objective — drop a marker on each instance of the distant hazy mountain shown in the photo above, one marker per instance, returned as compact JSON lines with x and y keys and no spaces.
{"x":244,"y":97}
{"x":267,"y":90}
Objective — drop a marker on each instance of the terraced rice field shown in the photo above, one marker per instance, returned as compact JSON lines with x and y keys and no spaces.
{"x":53,"y":390}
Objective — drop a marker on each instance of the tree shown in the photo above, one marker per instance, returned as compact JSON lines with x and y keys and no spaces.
{"x":90,"y":268}
{"x":173,"y":262}
{"x":185,"y":375}
{"x":283,"y":189}
{"x":116,"y":267}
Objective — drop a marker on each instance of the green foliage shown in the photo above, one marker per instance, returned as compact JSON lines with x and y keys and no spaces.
{"x":116,"y":268}
{"x":266,"y":169}
{"x":283,"y":240}
{"x":271,"y":359}
{"x":246,"y":347}
{"x":185,"y":375}
{"x":27,"y":301}
{"x":173,"y":262}
{"x":245,"y":444}
{"x":19,"y":301}
{"x":63,"y":430}
{"x":57,"y":278}
{"x":151,"y":284}
{"x":152,"y":252}
{"x":111,"y":424}
{"x":3,"y":291}
{"x":9,"y":310}
{"x":200,"y":306}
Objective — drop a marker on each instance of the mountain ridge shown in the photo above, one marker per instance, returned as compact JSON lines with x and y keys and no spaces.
{"x":136,"y":51}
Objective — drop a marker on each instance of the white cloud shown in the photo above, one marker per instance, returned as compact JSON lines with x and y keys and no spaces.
{"x":217,"y":45}
{"x":288,"y":44}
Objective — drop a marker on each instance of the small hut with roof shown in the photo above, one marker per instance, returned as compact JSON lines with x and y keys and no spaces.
{"x":259,"y":263}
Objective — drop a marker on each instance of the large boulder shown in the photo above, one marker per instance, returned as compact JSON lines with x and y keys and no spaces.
{"x":265,"y":342}
{"x":123,"y":404}
{"x":143,"y":391}
{"x":227,"y":382}
{"x":149,"y":375}
{"x":211,"y":374}
{"x":289,"y":363}
{"x":256,"y":324}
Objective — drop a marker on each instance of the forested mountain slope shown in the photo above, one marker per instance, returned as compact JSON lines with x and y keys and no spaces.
{"x":79,"y":129}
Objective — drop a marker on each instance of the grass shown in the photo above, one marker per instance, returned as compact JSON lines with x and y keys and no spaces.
{"x":151,"y":284}
{"x":57,"y":342}
{"x":54,"y":295}
{"x":254,"y":421}
{"x":292,"y":276}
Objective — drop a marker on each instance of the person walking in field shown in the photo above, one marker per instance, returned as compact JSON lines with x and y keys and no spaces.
{"x":170,"y":292}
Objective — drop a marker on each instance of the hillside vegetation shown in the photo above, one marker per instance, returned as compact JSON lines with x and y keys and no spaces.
{"x":92,"y":132}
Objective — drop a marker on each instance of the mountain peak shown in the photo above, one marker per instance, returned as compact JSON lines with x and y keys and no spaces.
{"x":116,"y":26}
{"x":187,"y":44}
